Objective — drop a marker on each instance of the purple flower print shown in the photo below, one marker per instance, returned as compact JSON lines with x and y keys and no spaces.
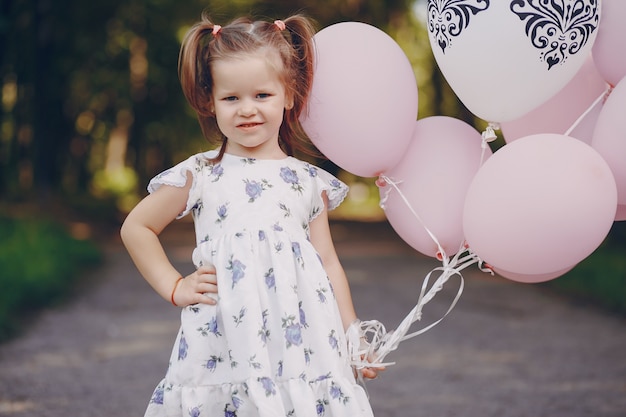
{"x":297,"y":253}
{"x":311,"y":170}
{"x":335,"y":183}
{"x":238,"y":270}
{"x":293,"y":336}
{"x":290,"y":176}
{"x":211,"y":364}
{"x":182,"y":348}
{"x":295,"y":247}
{"x":216,"y":171}
{"x":262,"y":236}
{"x":254,"y":189}
{"x":277,"y":227}
{"x":320,"y":295}
{"x":213,"y":326}
{"x":307,"y":356}
{"x":279,"y":373}
{"x":210,"y":327}
{"x":268,"y":385}
{"x":337,"y":394}
{"x":194,"y":412}
{"x":228,"y":412}
{"x":338,"y":187}
{"x":196,"y":210}
{"x":270,"y":279}
{"x":302,"y":316}
{"x":320,"y":407}
{"x":157,"y":395}
{"x":236,"y":400}
{"x":332,"y":340}
{"x":222,"y":213}
{"x":323,"y":377}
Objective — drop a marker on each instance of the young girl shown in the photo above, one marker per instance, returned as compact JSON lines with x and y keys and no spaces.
{"x":264,"y":315}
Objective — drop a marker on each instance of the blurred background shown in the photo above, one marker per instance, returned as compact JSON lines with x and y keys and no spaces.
{"x":91,"y":103}
{"x":91,"y":109}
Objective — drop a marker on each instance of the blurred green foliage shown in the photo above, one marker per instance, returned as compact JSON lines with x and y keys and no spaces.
{"x":600,"y":279}
{"x":40,"y":263}
{"x":91,"y":103}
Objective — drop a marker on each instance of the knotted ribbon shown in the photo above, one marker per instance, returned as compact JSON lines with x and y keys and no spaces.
{"x":368,"y":341}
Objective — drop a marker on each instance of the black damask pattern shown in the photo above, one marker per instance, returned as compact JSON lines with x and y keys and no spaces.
{"x":448,"y":18}
{"x":559,"y":28}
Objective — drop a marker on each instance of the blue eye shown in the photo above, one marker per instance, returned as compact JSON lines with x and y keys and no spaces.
{"x":230,"y":98}
{"x":263,"y":95}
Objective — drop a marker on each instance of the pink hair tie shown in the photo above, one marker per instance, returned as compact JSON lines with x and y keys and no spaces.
{"x":216,"y":29}
{"x":280,"y":24}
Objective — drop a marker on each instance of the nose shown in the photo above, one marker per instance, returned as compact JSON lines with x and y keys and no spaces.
{"x":247,"y":108}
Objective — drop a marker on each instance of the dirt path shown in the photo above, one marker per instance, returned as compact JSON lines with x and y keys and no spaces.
{"x":506,"y":350}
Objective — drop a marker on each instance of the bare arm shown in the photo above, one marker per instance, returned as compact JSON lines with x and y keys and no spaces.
{"x":322,"y":241}
{"x":140,"y":234}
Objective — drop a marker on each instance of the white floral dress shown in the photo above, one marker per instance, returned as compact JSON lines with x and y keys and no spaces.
{"x":274,"y":344}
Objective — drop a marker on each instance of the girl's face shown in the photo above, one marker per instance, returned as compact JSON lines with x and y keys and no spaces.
{"x":249,"y":102}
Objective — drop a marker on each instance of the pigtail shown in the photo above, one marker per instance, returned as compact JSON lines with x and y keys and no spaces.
{"x":299,"y":32}
{"x":194,"y":73}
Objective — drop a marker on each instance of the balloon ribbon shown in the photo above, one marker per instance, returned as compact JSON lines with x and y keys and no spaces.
{"x":368,"y":341}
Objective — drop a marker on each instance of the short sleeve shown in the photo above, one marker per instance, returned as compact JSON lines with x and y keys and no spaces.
{"x":336,"y":190}
{"x":177,"y":177}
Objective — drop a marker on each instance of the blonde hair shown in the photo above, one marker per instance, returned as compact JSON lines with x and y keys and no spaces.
{"x":207,"y":42}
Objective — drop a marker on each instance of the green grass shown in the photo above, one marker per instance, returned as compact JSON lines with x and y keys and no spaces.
{"x":598,"y":280}
{"x":39,"y":266}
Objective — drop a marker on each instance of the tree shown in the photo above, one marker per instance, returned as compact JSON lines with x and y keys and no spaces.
{"x":96,"y":108}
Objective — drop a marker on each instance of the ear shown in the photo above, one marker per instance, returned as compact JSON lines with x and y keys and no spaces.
{"x":288,"y":101}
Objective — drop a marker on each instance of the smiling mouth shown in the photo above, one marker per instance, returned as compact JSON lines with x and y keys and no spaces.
{"x":249,"y":124}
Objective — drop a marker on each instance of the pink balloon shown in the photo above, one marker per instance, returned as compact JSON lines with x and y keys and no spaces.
{"x":608,"y":48}
{"x":539,"y":205}
{"x":531,"y":279}
{"x":434,"y":175}
{"x":609,"y":136}
{"x":363,"y":105}
{"x":562,"y":111}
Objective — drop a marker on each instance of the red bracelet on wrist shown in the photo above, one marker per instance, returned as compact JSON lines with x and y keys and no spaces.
{"x":174,"y":291}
